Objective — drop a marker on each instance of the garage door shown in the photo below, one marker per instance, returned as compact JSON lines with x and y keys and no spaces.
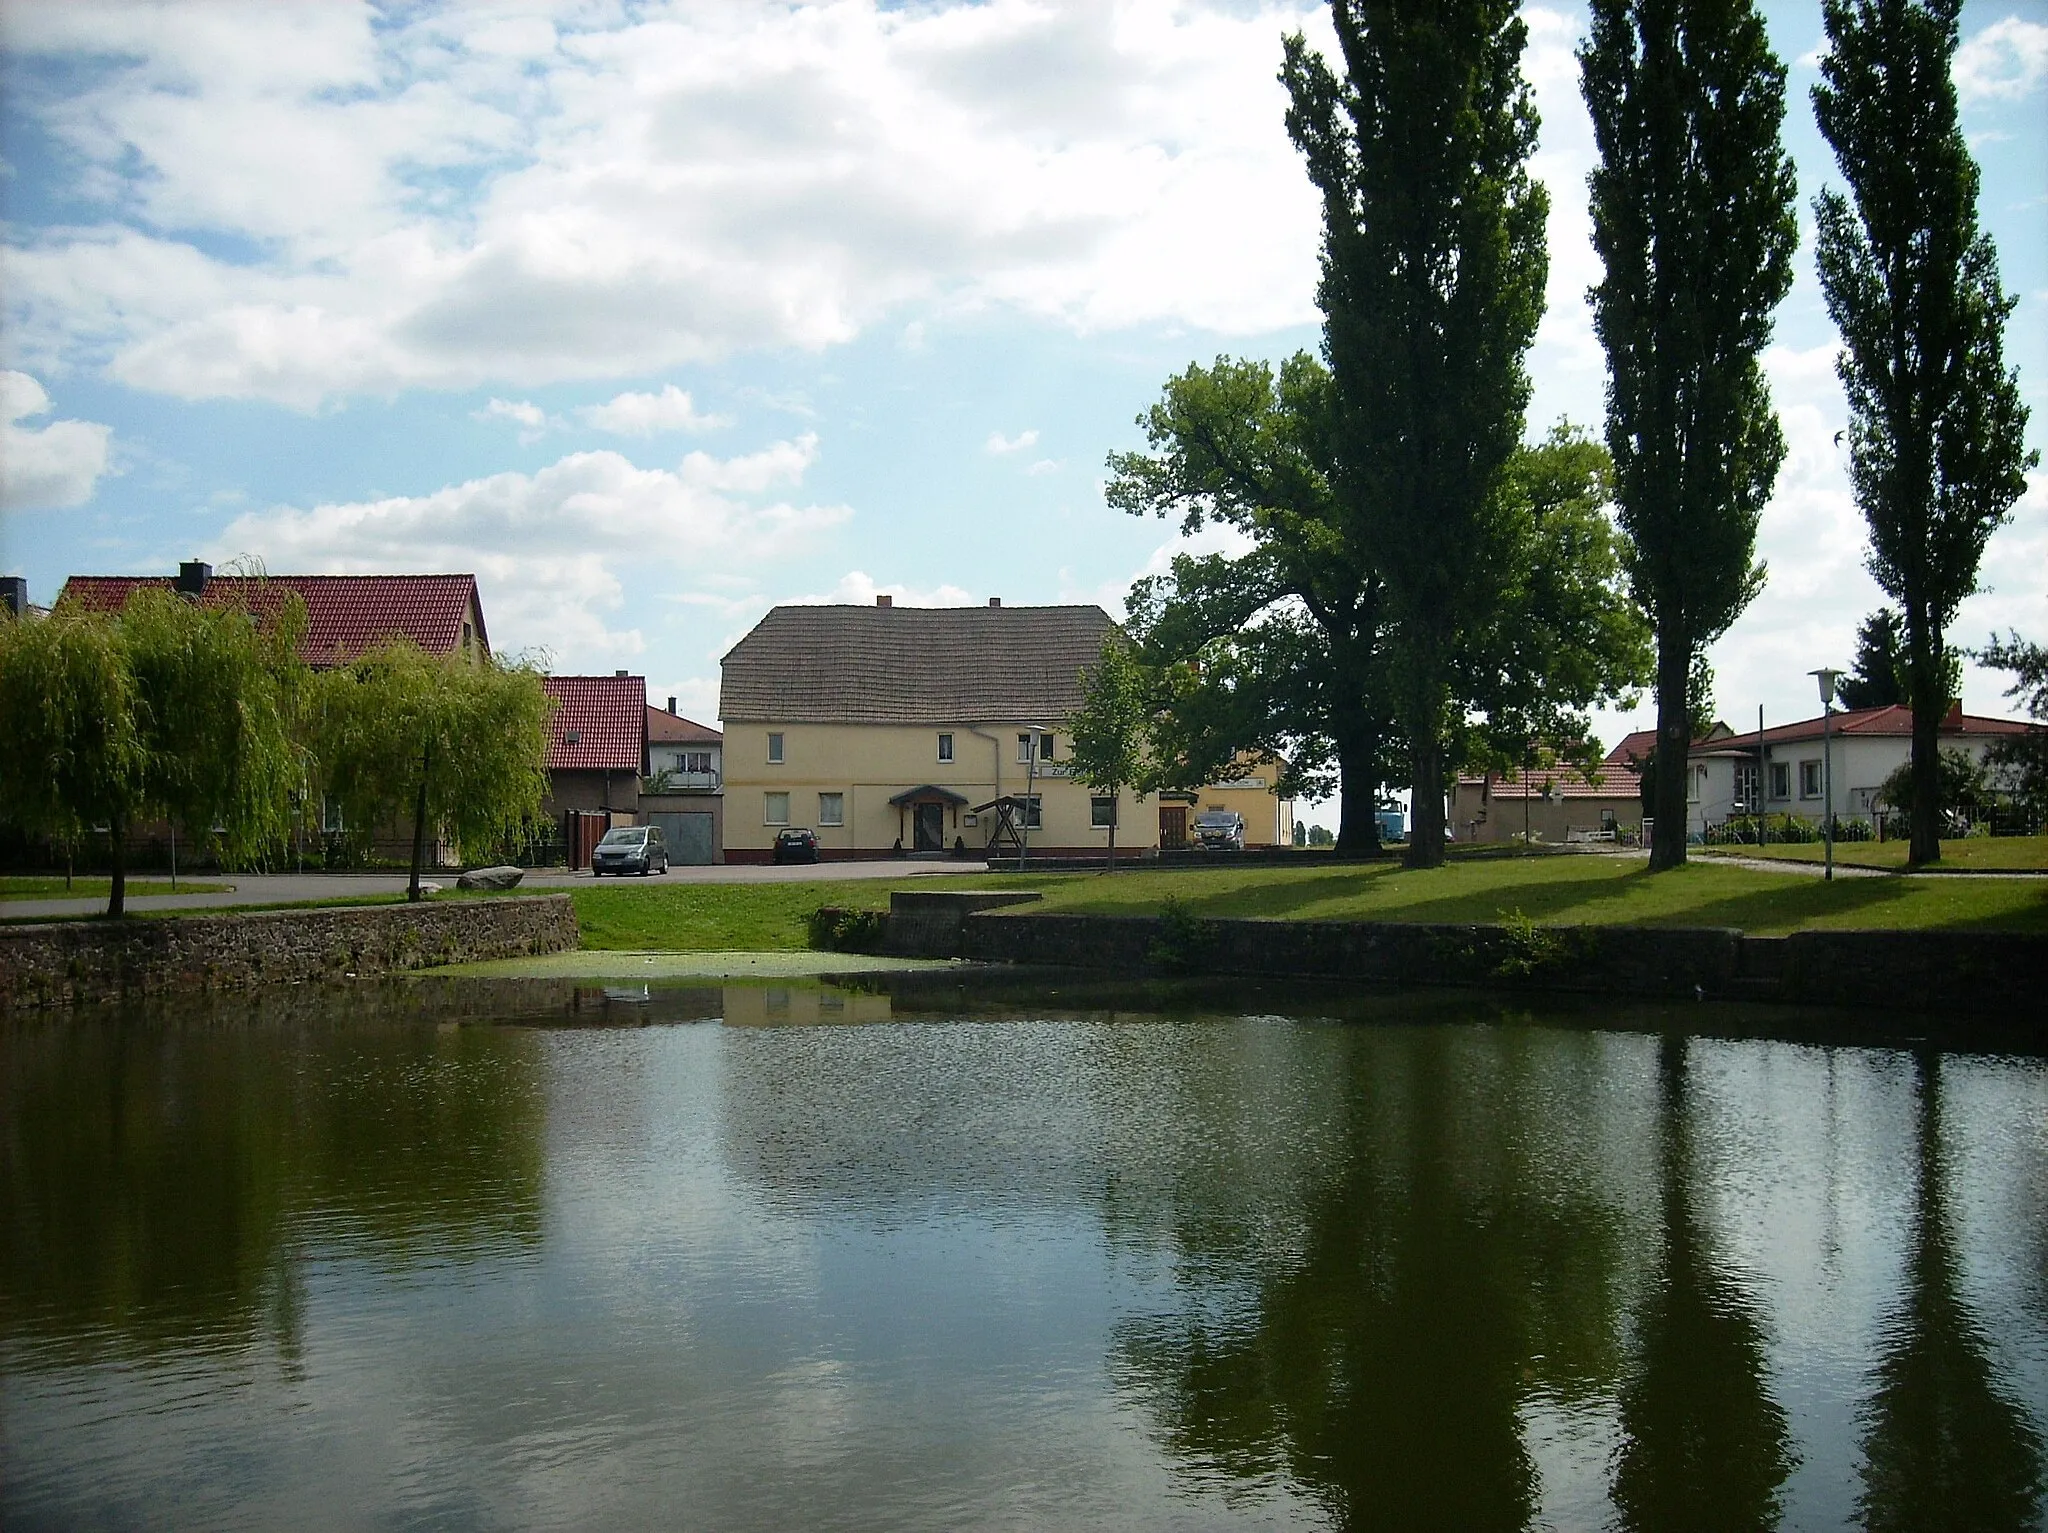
{"x":688,"y":837}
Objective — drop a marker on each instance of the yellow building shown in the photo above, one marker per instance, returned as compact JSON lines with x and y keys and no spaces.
{"x":904,"y":730}
{"x":1268,"y":819}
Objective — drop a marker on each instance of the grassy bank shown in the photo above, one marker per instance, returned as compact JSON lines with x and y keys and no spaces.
{"x":1562,"y":890}
{"x":1981,"y":854}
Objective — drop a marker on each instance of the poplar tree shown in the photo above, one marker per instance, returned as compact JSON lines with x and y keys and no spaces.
{"x":1693,"y":218}
{"x":1937,"y":451}
{"x":1433,"y":269}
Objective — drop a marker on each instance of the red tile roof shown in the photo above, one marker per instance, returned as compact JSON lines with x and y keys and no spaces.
{"x":1893,"y":720}
{"x":665,"y":728}
{"x":600,"y":725}
{"x":345,"y":614}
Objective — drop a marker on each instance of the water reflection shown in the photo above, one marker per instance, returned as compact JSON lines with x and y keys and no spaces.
{"x":164,"y":1185}
{"x":1943,"y":1445}
{"x":1705,"y":1444}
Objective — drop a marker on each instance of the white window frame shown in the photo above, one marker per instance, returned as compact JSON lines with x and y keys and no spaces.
{"x":1813,"y":768}
{"x":1781,"y":780}
{"x":1034,"y":811}
{"x":768,"y":807}
{"x":945,"y":746}
{"x":776,"y":754}
{"x":1024,"y":747}
{"x":837,"y":814}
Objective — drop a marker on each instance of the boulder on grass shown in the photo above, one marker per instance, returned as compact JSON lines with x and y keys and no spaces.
{"x":491,"y":878}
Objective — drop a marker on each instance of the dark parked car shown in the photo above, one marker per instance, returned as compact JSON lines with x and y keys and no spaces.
{"x":630,"y":849}
{"x":1219,"y":830}
{"x":796,"y":846}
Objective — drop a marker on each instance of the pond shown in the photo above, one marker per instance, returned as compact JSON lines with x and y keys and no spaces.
{"x":918,"y":1253}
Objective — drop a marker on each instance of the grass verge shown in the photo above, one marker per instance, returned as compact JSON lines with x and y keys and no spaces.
{"x":37,"y":886}
{"x":1978,"y":854}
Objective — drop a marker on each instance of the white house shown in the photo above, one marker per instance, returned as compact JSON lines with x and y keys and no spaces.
{"x":1781,"y":771}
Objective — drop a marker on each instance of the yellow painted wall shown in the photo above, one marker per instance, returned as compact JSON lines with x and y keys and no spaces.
{"x":872,"y":763}
{"x":1267,"y":821}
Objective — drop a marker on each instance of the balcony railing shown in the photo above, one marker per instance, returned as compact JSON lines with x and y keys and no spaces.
{"x":680,"y":782}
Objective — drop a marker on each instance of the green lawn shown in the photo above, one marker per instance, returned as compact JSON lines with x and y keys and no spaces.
{"x":1560,"y":890}
{"x":1987,"y":854}
{"x":21,"y":886}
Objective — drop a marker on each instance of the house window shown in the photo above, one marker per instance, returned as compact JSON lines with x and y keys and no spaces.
{"x":1102,"y":812}
{"x":775,"y":809}
{"x":1781,"y":779}
{"x":330,"y":817}
{"x":1024,"y":742}
{"x":1746,"y":797}
{"x":1698,"y":785}
{"x":774,"y":748}
{"x":1809,"y":779}
{"x":1024,"y":747}
{"x":1032,"y":808}
{"x":831,"y":808}
{"x":945,"y":747}
{"x":697,"y":761}
{"x":1045,"y":747}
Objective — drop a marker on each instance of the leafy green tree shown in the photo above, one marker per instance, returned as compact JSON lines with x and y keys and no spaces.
{"x":1962,"y":787}
{"x":1693,"y":218}
{"x":1107,"y":749}
{"x":459,"y":746}
{"x":1281,"y":650}
{"x":168,"y":710}
{"x":1937,"y":450}
{"x":1434,"y":263}
{"x":2019,"y":763}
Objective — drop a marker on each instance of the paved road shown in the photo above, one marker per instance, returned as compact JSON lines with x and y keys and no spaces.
{"x":282,"y":888}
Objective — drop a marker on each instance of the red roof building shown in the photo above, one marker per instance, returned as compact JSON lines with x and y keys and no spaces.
{"x":345,"y":614}
{"x":600,"y":723}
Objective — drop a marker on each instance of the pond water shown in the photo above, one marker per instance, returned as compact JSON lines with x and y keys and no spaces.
{"x":919,"y":1256}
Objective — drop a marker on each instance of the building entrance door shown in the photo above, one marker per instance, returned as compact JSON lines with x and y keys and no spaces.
{"x":1173,"y":827}
{"x":931,"y":828}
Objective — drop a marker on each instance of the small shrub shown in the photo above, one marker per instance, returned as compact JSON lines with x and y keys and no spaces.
{"x":1183,"y":936}
{"x":834,"y":929}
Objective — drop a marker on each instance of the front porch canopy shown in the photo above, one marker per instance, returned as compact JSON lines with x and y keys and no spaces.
{"x":930,"y":793}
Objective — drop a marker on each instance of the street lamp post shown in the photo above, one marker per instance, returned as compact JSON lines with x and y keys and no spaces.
{"x":1826,"y":678}
{"x":1038,"y":734}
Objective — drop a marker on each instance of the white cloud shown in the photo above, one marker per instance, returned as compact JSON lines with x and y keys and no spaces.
{"x":50,"y":466}
{"x":648,"y":414}
{"x":555,"y":549}
{"x":860,"y":589}
{"x":300,"y":203}
{"x":1043,"y":467}
{"x":2007,"y":61}
{"x":998,"y":443}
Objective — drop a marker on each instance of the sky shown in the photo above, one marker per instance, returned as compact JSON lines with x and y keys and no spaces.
{"x":656,"y":315}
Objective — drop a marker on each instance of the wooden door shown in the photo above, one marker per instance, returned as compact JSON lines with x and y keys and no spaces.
{"x":1173,"y":827}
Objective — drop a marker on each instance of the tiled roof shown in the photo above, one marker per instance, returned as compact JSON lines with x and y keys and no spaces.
{"x":1610,"y":780}
{"x":665,"y":728}
{"x":1891,"y":721}
{"x":345,"y":614}
{"x":606,"y":715}
{"x":912,"y":665}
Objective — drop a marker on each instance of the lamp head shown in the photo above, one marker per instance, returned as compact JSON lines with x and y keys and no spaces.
{"x":1826,"y":678}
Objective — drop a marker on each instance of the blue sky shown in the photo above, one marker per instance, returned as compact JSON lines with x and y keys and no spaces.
{"x":656,"y":315}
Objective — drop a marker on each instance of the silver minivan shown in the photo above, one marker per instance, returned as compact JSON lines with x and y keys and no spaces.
{"x":630,"y":849}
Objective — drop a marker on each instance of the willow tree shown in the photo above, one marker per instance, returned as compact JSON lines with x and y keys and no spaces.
{"x":457,"y":746}
{"x":1937,"y":451}
{"x":1433,"y":269}
{"x":167,"y":710}
{"x":1693,"y":217}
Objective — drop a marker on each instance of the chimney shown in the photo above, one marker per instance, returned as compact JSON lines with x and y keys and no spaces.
{"x":192,"y":578}
{"x":14,"y":594}
{"x":995,"y":601}
{"x":671,"y":707}
{"x":621,"y":673}
{"x":884,"y":601}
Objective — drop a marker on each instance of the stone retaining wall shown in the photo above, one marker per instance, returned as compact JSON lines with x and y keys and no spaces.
{"x":73,"y":961}
{"x":1986,"y":973}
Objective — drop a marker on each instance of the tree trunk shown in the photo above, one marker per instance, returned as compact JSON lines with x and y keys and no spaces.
{"x":1924,"y":668}
{"x":117,"y":884}
{"x":1358,"y":790}
{"x":1116,"y":803}
{"x":419,"y":827}
{"x":1673,"y":761}
{"x":1425,"y":802}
